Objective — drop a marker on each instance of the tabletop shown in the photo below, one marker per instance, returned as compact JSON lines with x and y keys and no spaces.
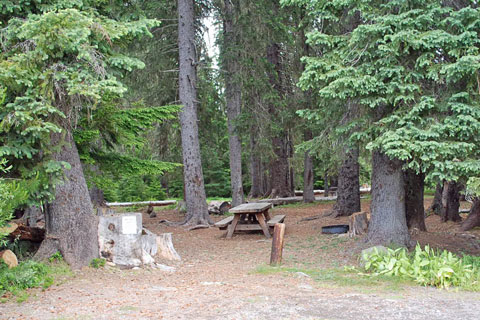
{"x":253,"y":207}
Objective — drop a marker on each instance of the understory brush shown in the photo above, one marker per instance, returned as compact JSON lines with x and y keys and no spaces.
{"x":29,"y":274}
{"x":427,"y":267}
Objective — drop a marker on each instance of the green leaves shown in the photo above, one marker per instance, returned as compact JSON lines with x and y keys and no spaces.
{"x":425,"y":266}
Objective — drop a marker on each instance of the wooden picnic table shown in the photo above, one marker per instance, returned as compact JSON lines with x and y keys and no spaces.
{"x":250,"y":216}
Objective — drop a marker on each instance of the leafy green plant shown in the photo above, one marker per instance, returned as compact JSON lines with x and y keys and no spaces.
{"x":28,"y":274}
{"x":97,"y":263}
{"x":425,"y":266}
{"x":57,"y":256}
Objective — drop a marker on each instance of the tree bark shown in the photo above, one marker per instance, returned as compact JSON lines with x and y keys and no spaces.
{"x":348,"y":192}
{"x":473,"y":219}
{"x":308,"y":193}
{"x":451,"y":201}
{"x":233,"y":100}
{"x":256,"y":172}
{"x":195,"y":197}
{"x":280,"y":184}
{"x":326,"y":186}
{"x":70,"y":223}
{"x":388,"y":224}
{"x":414,"y":207}
{"x":436,"y":206}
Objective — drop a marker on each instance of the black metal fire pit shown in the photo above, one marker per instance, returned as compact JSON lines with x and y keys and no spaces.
{"x":336,"y":229}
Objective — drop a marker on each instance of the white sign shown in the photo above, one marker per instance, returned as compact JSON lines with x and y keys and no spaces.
{"x":129,"y":225}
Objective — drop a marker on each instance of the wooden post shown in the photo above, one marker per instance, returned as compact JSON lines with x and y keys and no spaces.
{"x":277,"y":244}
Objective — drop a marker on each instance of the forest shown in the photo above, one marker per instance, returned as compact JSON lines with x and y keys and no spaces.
{"x":126,"y":101}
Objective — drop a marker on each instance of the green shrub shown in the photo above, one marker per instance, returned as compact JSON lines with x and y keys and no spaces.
{"x":57,"y":256}
{"x":425,"y":266}
{"x":28,"y":274}
{"x":97,"y":263}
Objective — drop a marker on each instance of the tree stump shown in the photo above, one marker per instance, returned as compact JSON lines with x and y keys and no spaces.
{"x":358,"y":223}
{"x":165,"y":247}
{"x":277,"y":244}
{"x":9,"y":258}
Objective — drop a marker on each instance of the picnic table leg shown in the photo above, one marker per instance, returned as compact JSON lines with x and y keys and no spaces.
{"x":232,"y":226}
{"x":267,"y":215}
{"x":261,"y":221}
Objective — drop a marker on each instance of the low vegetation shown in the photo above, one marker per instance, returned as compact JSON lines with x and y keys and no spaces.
{"x":29,"y":274}
{"x":427,"y":267}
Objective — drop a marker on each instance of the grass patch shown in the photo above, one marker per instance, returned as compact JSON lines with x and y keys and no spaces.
{"x":300,"y":205}
{"x":340,"y":277}
{"x":30,"y":274}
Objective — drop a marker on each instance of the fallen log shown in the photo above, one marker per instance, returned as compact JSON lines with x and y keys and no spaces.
{"x":142,"y":203}
{"x":23,"y":232}
{"x":9,"y":258}
{"x":218,"y":207}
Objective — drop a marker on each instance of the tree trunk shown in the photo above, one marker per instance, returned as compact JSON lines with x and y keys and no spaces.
{"x":308,"y":194}
{"x":451,"y":201}
{"x":280,"y":184}
{"x":388,"y":224}
{"x":256,"y":172}
{"x":415,"y":210}
{"x":473,"y":219}
{"x":70,"y":223}
{"x":195,"y":197}
{"x":436,"y":206}
{"x":233,"y":99}
{"x":326,"y":186}
{"x":348,"y":192}
{"x":280,"y":170}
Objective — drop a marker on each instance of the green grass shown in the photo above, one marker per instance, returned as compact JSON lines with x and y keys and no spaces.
{"x":300,"y":205}
{"x":341,"y":278}
{"x":30,"y":274}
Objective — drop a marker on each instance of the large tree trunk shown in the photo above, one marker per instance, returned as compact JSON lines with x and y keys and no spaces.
{"x":256,"y":172}
{"x":451,"y":201}
{"x":415,"y":210}
{"x":473,"y":219}
{"x":70,"y":223}
{"x":348,"y":192}
{"x":436,"y":206}
{"x":388,"y":224}
{"x":233,"y":99}
{"x":195,"y":198}
{"x":326,"y":186}
{"x":308,"y":194}
{"x":280,"y":184}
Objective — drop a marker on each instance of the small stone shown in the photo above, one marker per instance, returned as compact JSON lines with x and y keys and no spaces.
{"x":301,"y":275}
{"x":305,"y":287}
{"x":208,"y":283}
{"x":135,"y":268}
{"x":111,"y":264}
{"x":164,"y":267}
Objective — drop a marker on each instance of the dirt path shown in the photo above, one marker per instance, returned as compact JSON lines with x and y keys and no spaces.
{"x":227,"y":279}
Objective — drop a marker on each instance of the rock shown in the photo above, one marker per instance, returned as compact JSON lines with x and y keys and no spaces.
{"x":164,"y":267}
{"x":9,"y":258}
{"x":301,"y":275}
{"x":380,"y":249}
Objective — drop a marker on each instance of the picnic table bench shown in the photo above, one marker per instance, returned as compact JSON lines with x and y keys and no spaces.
{"x":250,"y":216}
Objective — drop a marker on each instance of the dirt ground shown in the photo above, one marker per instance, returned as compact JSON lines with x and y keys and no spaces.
{"x":229,"y":279}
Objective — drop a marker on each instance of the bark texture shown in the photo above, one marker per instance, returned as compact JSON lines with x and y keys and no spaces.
{"x":256,"y":169}
{"x":308,"y":194}
{"x":473,"y":219}
{"x":195,"y":197}
{"x":451,"y":201}
{"x":280,"y":177}
{"x":70,"y":223}
{"x":436,"y":206}
{"x":415,"y":210}
{"x":348,"y":192}
{"x":233,"y":99}
{"x":388,"y":223}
